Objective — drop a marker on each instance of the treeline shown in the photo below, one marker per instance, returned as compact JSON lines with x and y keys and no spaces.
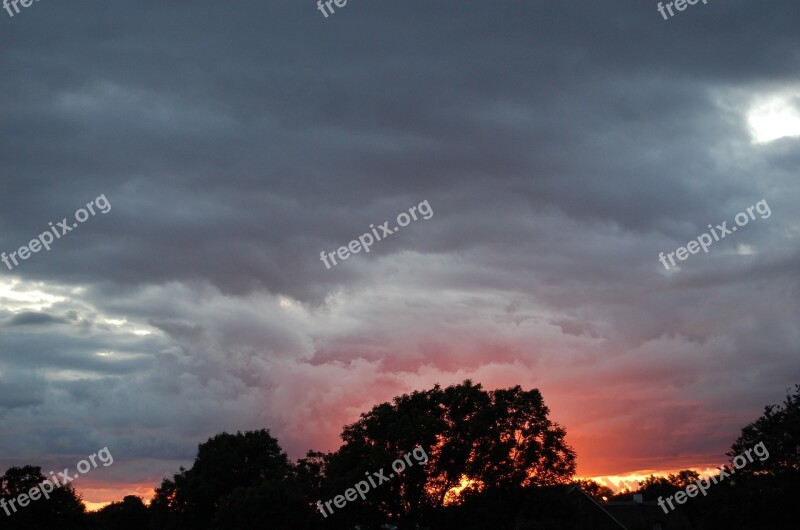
{"x":498,"y":449}
{"x":759,"y":494}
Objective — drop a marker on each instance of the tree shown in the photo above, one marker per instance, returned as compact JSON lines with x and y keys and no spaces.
{"x":653,"y":487}
{"x":594,"y":489}
{"x":311,"y":473}
{"x":473,"y":439}
{"x":63,"y":508}
{"x":683,"y":478}
{"x":522,"y":446}
{"x":233,"y":473}
{"x":271,"y":504}
{"x":128,"y":514}
{"x":762,"y":493}
{"x":779,"y":430}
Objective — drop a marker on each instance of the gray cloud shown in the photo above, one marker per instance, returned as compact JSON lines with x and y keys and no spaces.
{"x":30,"y":318}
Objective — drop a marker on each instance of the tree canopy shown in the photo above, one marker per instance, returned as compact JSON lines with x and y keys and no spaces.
{"x":233,"y":474}
{"x":476,"y":440}
{"x":63,"y":509}
{"x":778,"y":428}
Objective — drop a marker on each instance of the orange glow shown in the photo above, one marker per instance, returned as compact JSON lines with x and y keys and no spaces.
{"x":630,"y":481}
{"x":96,"y":497}
{"x":453,"y":494}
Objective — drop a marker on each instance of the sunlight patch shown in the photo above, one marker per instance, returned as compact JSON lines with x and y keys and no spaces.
{"x":774,"y":116}
{"x":26,"y":296}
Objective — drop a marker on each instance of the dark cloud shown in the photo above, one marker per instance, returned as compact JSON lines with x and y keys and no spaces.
{"x":30,"y":318}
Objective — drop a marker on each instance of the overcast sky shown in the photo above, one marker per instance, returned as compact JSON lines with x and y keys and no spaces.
{"x":560,"y":145}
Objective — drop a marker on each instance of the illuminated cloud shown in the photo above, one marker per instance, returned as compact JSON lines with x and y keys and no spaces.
{"x":775,"y":116}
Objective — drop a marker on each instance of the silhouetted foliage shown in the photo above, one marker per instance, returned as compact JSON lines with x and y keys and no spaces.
{"x":245,"y":473}
{"x":128,"y":514}
{"x":63,"y":508}
{"x":281,"y":504}
{"x":500,"y":439}
{"x":311,"y":473}
{"x":763,"y":493}
{"x":779,"y":430}
{"x":511,"y":463}
{"x":594,"y":489}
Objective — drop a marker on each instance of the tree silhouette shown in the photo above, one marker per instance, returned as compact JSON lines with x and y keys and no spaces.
{"x":128,"y":514}
{"x":233,"y":474}
{"x":474,"y":439}
{"x":778,"y":429}
{"x":311,"y":473}
{"x":63,"y":509}
{"x":762,"y":493}
{"x":596,"y":490}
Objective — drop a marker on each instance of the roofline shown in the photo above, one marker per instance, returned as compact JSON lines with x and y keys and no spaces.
{"x":575,"y":486}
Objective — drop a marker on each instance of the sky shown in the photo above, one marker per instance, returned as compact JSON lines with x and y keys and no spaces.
{"x":560,"y":147}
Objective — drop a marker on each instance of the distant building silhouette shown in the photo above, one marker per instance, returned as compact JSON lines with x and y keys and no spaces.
{"x":591,"y":515}
{"x":638,"y":514}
